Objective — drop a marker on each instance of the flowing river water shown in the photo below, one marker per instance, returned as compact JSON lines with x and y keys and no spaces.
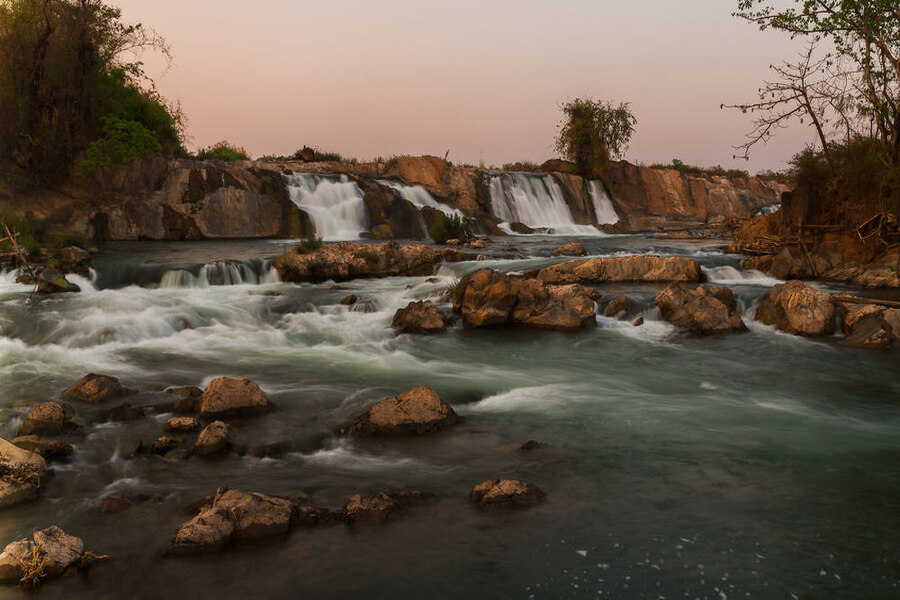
{"x":759,"y":465}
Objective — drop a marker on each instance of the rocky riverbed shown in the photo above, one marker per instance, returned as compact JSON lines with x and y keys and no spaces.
{"x":404,"y":419}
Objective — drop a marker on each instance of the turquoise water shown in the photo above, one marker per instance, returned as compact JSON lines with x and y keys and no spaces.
{"x":758,"y":465}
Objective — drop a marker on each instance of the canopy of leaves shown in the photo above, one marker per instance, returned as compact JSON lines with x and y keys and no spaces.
{"x":592,"y":132}
{"x":65,"y":67}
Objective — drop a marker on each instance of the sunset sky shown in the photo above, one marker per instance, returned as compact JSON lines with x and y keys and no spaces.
{"x":482,"y":79}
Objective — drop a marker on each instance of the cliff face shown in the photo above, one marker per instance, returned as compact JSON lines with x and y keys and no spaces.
{"x":155,"y":199}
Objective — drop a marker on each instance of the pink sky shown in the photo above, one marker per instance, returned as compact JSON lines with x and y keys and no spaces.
{"x":483,"y":79}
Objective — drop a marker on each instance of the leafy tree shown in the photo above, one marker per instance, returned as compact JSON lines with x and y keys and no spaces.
{"x":592,"y":132}
{"x":223,"y":150}
{"x":65,"y":65}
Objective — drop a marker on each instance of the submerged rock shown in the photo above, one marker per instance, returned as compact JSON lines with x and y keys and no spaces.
{"x":45,"y":448}
{"x":419,"y":317}
{"x":373,"y":509}
{"x":416,"y":411}
{"x":623,"y":269}
{"x":347,"y":260}
{"x":164,"y":444}
{"x":96,"y":389}
{"x":121,"y":503}
{"x":571,"y":249}
{"x":506,"y":493}
{"x":125,"y":412}
{"x":187,"y":399}
{"x":489,"y":298}
{"x":215,"y":438}
{"x":49,"y":553}
{"x":702,"y":310}
{"x":50,"y":418}
{"x":232,"y":396}
{"x":797,"y":308}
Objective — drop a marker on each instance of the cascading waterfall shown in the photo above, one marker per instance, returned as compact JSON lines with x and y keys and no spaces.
{"x":535,"y":200}
{"x":219,"y":273}
{"x":419,"y":197}
{"x":603,"y":207}
{"x":334,"y":204}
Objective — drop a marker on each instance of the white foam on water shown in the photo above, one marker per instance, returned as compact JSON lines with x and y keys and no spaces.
{"x":603,"y":207}
{"x":537,"y":201}
{"x":733,"y":276}
{"x":335,"y":205}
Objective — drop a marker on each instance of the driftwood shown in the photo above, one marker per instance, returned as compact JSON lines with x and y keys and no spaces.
{"x":845,"y":298}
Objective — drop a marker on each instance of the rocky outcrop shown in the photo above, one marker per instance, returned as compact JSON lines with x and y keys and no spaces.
{"x":232,"y":396}
{"x":417,"y":411}
{"x":96,"y":389}
{"x":506,"y":493}
{"x":22,"y":474}
{"x":630,"y":269}
{"x":345,"y":261}
{"x":797,"y":308}
{"x":48,"y":554}
{"x":490,"y":298}
{"x":571,"y":249}
{"x":50,"y":418}
{"x":702,"y":310}
{"x":419,"y":317}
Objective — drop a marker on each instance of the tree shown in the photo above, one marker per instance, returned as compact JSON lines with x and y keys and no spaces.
{"x":66,"y":68}
{"x":592,"y":132}
{"x":865,"y":35}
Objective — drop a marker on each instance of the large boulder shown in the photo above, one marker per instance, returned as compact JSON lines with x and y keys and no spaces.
{"x":797,"y":308}
{"x":419,"y":317}
{"x":215,"y":438}
{"x":234,"y":514}
{"x":50,"y":418}
{"x":866,"y":327}
{"x":506,"y":493}
{"x":416,"y":411}
{"x":49,"y":553}
{"x":702,"y":310}
{"x":487,"y":298}
{"x":653,"y":269}
{"x":571,"y":249}
{"x":347,"y":260}
{"x":232,"y":396}
{"x":22,"y":474}
{"x":95,"y":389}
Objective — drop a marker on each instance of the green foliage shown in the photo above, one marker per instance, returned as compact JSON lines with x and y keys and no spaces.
{"x":33,"y":238}
{"x":223,"y":150}
{"x":310,"y":243}
{"x":65,"y":66}
{"x":448,"y":227}
{"x":718,"y":170}
{"x":369,"y":256}
{"x":592,"y":132}
{"x":122,"y":142}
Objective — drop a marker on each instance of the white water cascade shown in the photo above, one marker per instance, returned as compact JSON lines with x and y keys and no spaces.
{"x":603,"y":207}
{"x":535,"y":200}
{"x":334,"y":204}
{"x":420,"y":197}
{"x":221,"y":272}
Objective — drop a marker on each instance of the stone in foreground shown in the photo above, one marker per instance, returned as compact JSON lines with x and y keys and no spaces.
{"x":45,"y":448}
{"x":22,"y":474}
{"x":419,"y":317}
{"x":416,"y":411}
{"x":232,"y":396}
{"x":794,"y":307}
{"x":51,"y":548}
{"x":703,"y":310}
{"x":95,"y":389}
{"x":506,"y":493}
{"x":50,"y":418}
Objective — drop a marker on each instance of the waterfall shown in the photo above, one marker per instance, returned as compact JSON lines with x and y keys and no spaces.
{"x":420,"y":197}
{"x":535,"y":200}
{"x":334,"y":204}
{"x":222,"y":272}
{"x":603,"y":208}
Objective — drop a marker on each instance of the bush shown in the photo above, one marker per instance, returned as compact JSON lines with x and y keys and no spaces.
{"x":223,"y":150}
{"x":310,"y":243}
{"x":592,"y":132}
{"x":369,"y":256}
{"x":449,"y":227}
{"x":718,"y":170}
{"x":122,"y":142}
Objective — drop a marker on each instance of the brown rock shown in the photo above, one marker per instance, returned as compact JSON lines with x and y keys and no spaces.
{"x":419,"y":411}
{"x":703,"y":310}
{"x":571,"y":249}
{"x":164,"y":444}
{"x":452,"y":255}
{"x":73,"y":259}
{"x":213,"y":439}
{"x":50,"y":418}
{"x":45,"y":448}
{"x":207,"y":532}
{"x":182,"y":425}
{"x":373,"y":509}
{"x":866,"y":327}
{"x":125,"y":412}
{"x":419,"y":317}
{"x":22,"y":474}
{"x":505,"y":493}
{"x":347,"y":260}
{"x":797,"y":308}
{"x":638,"y":322}
{"x":485,"y":298}
{"x":95,"y":389}
{"x":349,"y":300}
{"x":187,"y":399}
{"x":51,"y":281}
{"x":619,"y":306}
{"x":231,"y":396}
{"x":57,"y":552}
{"x":623,"y":269}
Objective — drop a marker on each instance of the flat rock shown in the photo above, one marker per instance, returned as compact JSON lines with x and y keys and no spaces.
{"x":232,"y":396}
{"x":571,"y":249}
{"x":45,"y":448}
{"x":623,"y":269}
{"x":95,"y":389}
{"x":416,"y":411}
{"x":182,"y":425}
{"x":347,"y":260}
{"x":506,"y":493}
{"x":372,"y":509}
